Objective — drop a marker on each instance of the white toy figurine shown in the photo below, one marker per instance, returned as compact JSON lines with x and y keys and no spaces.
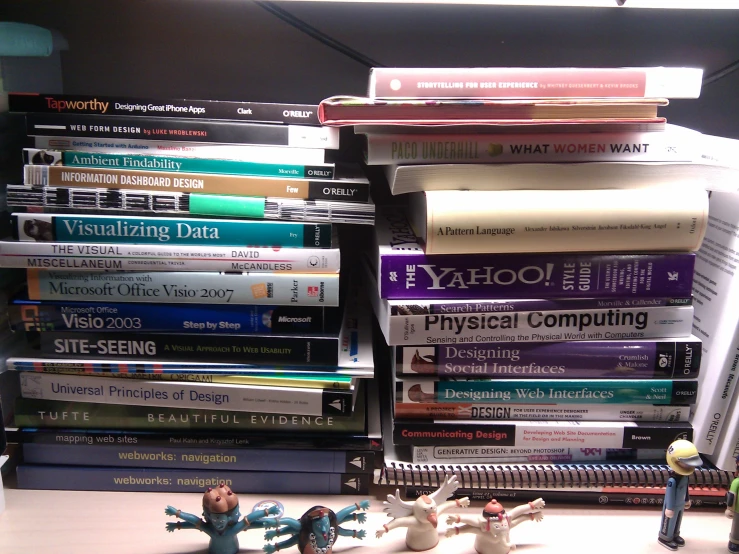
{"x":492,"y":528}
{"x":421,"y":516}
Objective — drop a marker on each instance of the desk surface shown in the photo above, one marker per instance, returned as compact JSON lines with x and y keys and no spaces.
{"x":66,"y":522}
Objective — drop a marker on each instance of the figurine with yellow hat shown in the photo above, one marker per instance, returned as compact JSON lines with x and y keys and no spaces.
{"x":220,"y":519}
{"x":683,"y":459}
{"x":493,"y":527}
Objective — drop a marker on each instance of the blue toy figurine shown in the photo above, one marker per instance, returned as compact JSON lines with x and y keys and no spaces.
{"x":316,"y":531}
{"x":732,"y":510}
{"x":683,"y":458}
{"x":220,"y":519}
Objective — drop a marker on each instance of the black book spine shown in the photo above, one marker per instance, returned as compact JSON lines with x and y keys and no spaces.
{"x":257,"y":349}
{"x":256,"y":112}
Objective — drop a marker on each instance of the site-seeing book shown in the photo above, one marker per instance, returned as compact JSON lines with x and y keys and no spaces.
{"x":490,"y":222}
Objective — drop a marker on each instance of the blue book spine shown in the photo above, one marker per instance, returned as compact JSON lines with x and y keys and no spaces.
{"x":235,"y":459}
{"x":33,"y":315}
{"x":57,"y":477}
{"x":170,"y":230}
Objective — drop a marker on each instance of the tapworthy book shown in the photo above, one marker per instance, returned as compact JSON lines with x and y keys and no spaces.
{"x":404,"y":271}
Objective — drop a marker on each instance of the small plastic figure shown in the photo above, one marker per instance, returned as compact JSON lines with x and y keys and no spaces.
{"x":492,"y":529}
{"x":421,"y":516}
{"x":317,"y":529}
{"x":683,"y":458}
{"x":221,"y":519}
{"x":732,"y":510}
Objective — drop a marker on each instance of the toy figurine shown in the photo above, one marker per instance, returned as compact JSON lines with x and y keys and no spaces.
{"x":421,"y":516}
{"x":221,"y":519}
{"x":316,"y":531}
{"x":492,"y":528}
{"x":732,"y":510}
{"x":683,"y":458}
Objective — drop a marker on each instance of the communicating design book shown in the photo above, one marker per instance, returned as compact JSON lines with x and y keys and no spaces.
{"x":170,"y":230}
{"x":259,"y":112}
{"x":404,"y":271}
{"x":404,"y":179}
{"x":201,"y":150}
{"x":195,"y":287}
{"x":353,"y":110}
{"x":128,"y":202}
{"x":674,"y":144}
{"x":649,"y":219}
{"x":95,"y":478}
{"x":211,"y":396}
{"x":350,"y":189}
{"x":530,"y":82}
{"x":175,"y":130}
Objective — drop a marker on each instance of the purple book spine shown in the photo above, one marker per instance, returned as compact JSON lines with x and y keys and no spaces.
{"x":676,"y":359}
{"x":410,"y":276}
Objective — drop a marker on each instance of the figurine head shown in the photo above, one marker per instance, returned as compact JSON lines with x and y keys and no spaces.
{"x":317,"y":528}
{"x":682,"y":457}
{"x":424,"y":509}
{"x":220,"y":507}
{"x":494,"y":518}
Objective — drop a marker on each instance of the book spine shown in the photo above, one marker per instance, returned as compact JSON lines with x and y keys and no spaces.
{"x":700,"y":497}
{"x":61,"y":315}
{"x":485,"y":306}
{"x":409,"y":276}
{"x":184,"y":457}
{"x":133,"y":257}
{"x":282,"y":400}
{"x":137,"y":201}
{"x":64,"y":416}
{"x":464,"y":455}
{"x":186,"y":287}
{"x":174,"y":164}
{"x":388,"y":149}
{"x":179,"y":130}
{"x":274,"y":350}
{"x":478,"y":82}
{"x":549,"y":391}
{"x":97,"y":478}
{"x":540,"y":434}
{"x":170,"y":230}
{"x":459,"y":222}
{"x":203,"y":183}
{"x":645,"y":359}
{"x":259,"y":112}
{"x":541,"y":412}
{"x":539,"y":326}
{"x":243,"y":152}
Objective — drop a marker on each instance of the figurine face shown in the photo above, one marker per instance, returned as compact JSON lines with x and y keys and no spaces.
{"x":321,"y":528}
{"x":682,"y":457}
{"x":219,"y":521}
{"x":494,"y":526}
{"x":424,"y":509}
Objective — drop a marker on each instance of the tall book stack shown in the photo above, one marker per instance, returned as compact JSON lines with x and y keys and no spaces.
{"x":183,"y":310}
{"x":535,"y":287}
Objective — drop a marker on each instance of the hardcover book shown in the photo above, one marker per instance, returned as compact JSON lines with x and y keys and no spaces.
{"x":519,"y":82}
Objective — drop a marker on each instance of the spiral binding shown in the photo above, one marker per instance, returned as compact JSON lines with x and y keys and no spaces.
{"x":538,"y":476}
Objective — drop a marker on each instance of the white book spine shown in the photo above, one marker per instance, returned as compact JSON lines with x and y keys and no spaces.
{"x":675,"y":145}
{"x":716,"y":296}
{"x":106,"y":390}
{"x":539,"y":326}
{"x":465,"y":455}
{"x":278,"y":289}
{"x":488,"y":222}
{"x":727,"y":448}
{"x":134,"y":257}
{"x":241,"y":152}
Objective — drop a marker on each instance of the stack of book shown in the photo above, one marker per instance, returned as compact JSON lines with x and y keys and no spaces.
{"x":538,"y":312}
{"x":175,"y":341}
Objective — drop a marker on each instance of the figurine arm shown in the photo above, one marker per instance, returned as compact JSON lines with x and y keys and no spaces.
{"x":270,"y":548}
{"x":190,"y":518}
{"x":289,"y":522}
{"x":528,"y":508}
{"x":394,"y":524}
{"x":173,"y":526}
{"x":461,"y":503}
{"x":351,"y":533}
{"x":466,"y":519}
{"x":669,"y":502}
{"x":344,"y":514}
{"x":269,"y":535}
{"x":452,"y":531}
{"x":252,"y":521}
